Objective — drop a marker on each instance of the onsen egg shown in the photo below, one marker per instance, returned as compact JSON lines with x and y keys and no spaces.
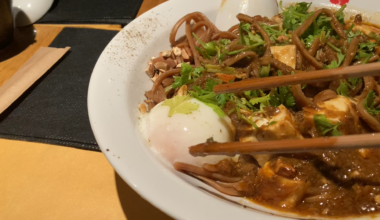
{"x":171,"y":137}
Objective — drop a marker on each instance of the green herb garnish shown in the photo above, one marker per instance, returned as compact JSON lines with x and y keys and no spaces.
{"x":180,"y":105}
{"x":264,"y":71}
{"x":209,"y":47}
{"x":324,"y":126}
{"x":335,"y":64}
{"x":187,"y":73}
{"x":369,"y":104}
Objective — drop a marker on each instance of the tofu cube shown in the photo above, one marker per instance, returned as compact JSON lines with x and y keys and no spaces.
{"x":285,"y":54}
{"x":281,"y":126}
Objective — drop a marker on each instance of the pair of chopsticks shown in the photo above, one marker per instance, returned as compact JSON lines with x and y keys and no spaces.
{"x":372,"y":69}
{"x":287,"y":146}
{"x":292,"y":146}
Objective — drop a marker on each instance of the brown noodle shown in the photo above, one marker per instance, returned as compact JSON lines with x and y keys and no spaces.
{"x":302,"y":28}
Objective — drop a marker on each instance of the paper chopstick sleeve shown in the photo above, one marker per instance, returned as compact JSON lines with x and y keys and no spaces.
{"x":28,"y":74}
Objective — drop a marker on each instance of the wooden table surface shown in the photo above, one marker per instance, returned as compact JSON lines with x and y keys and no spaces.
{"x":40,"y":181}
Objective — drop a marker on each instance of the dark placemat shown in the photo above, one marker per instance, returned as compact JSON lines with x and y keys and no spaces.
{"x":54,"y":109}
{"x":92,"y":12}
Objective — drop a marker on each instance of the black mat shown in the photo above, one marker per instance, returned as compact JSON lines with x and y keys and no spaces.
{"x":54,"y":110}
{"x":92,"y":12}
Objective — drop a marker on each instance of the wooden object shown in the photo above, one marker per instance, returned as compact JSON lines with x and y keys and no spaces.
{"x":287,"y":146}
{"x":28,"y":74}
{"x":149,"y":4}
{"x":43,"y":181}
{"x":372,"y":69}
{"x":45,"y":34}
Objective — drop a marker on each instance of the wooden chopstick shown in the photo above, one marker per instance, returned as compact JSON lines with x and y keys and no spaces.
{"x":287,"y":146}
{"x":372,"y":69}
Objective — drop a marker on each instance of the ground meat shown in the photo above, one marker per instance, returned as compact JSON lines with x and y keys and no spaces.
{"x":362,"y":39}
{"x":157,"y":96}
{"x":310,"y":91}
{"x":330,"y":54}
{"x":168,"y":81}
{"x":271,"y":111}
{"x":306,"y":65}
{"x":348,"y":167}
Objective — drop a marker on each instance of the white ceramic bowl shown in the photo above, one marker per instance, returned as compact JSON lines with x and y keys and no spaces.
{"x":117,"y":87}
{"x":228,"y":10}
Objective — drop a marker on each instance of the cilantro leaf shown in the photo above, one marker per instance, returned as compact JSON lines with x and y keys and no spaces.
{"x":180,"y":104}
{"x":251,"y":94}
{"x":197,"y":71}
{"x":216,"y":109}
{"x":309,"y":41}
{"x":282,"y":96}
{"x":241,"y":102}
{"x":255,"y":101}
{"x":369,"y":46}
{"x":187,"y":72}
{"x":340,"y":14}
{"x":225,"y":42}
{"x":209,"y":47}
{"x":335,"y":64}
{"x":302,"y":7}
{"x":241,"y":36}
{"x":362,"y":55}
{"x":246,"y":27}
{"x":221,"y":100}
{"x":203,"y":96}
{"x":365,"y":50}
{"x":369,"y":104}
{"x":295,"y":15}
{"x":353,"y":82}
{"x":324,"y":126}
{"x":351,"y":35}
{"x":264,"y":71}
{"x":208,"y":97}
{"x":210,"y":83}
{"x":249,"y":39}
{"x":185,"y":76}
{"x":322,"y":24}
{"x":274,"y":32}
{"x":347,"y":85}
{"x":343,"y":89}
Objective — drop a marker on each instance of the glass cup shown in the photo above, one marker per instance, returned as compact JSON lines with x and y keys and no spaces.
{"x":6,"y":23}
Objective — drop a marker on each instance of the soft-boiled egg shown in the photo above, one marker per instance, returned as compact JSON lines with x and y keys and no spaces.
{"x":171,"y":137}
